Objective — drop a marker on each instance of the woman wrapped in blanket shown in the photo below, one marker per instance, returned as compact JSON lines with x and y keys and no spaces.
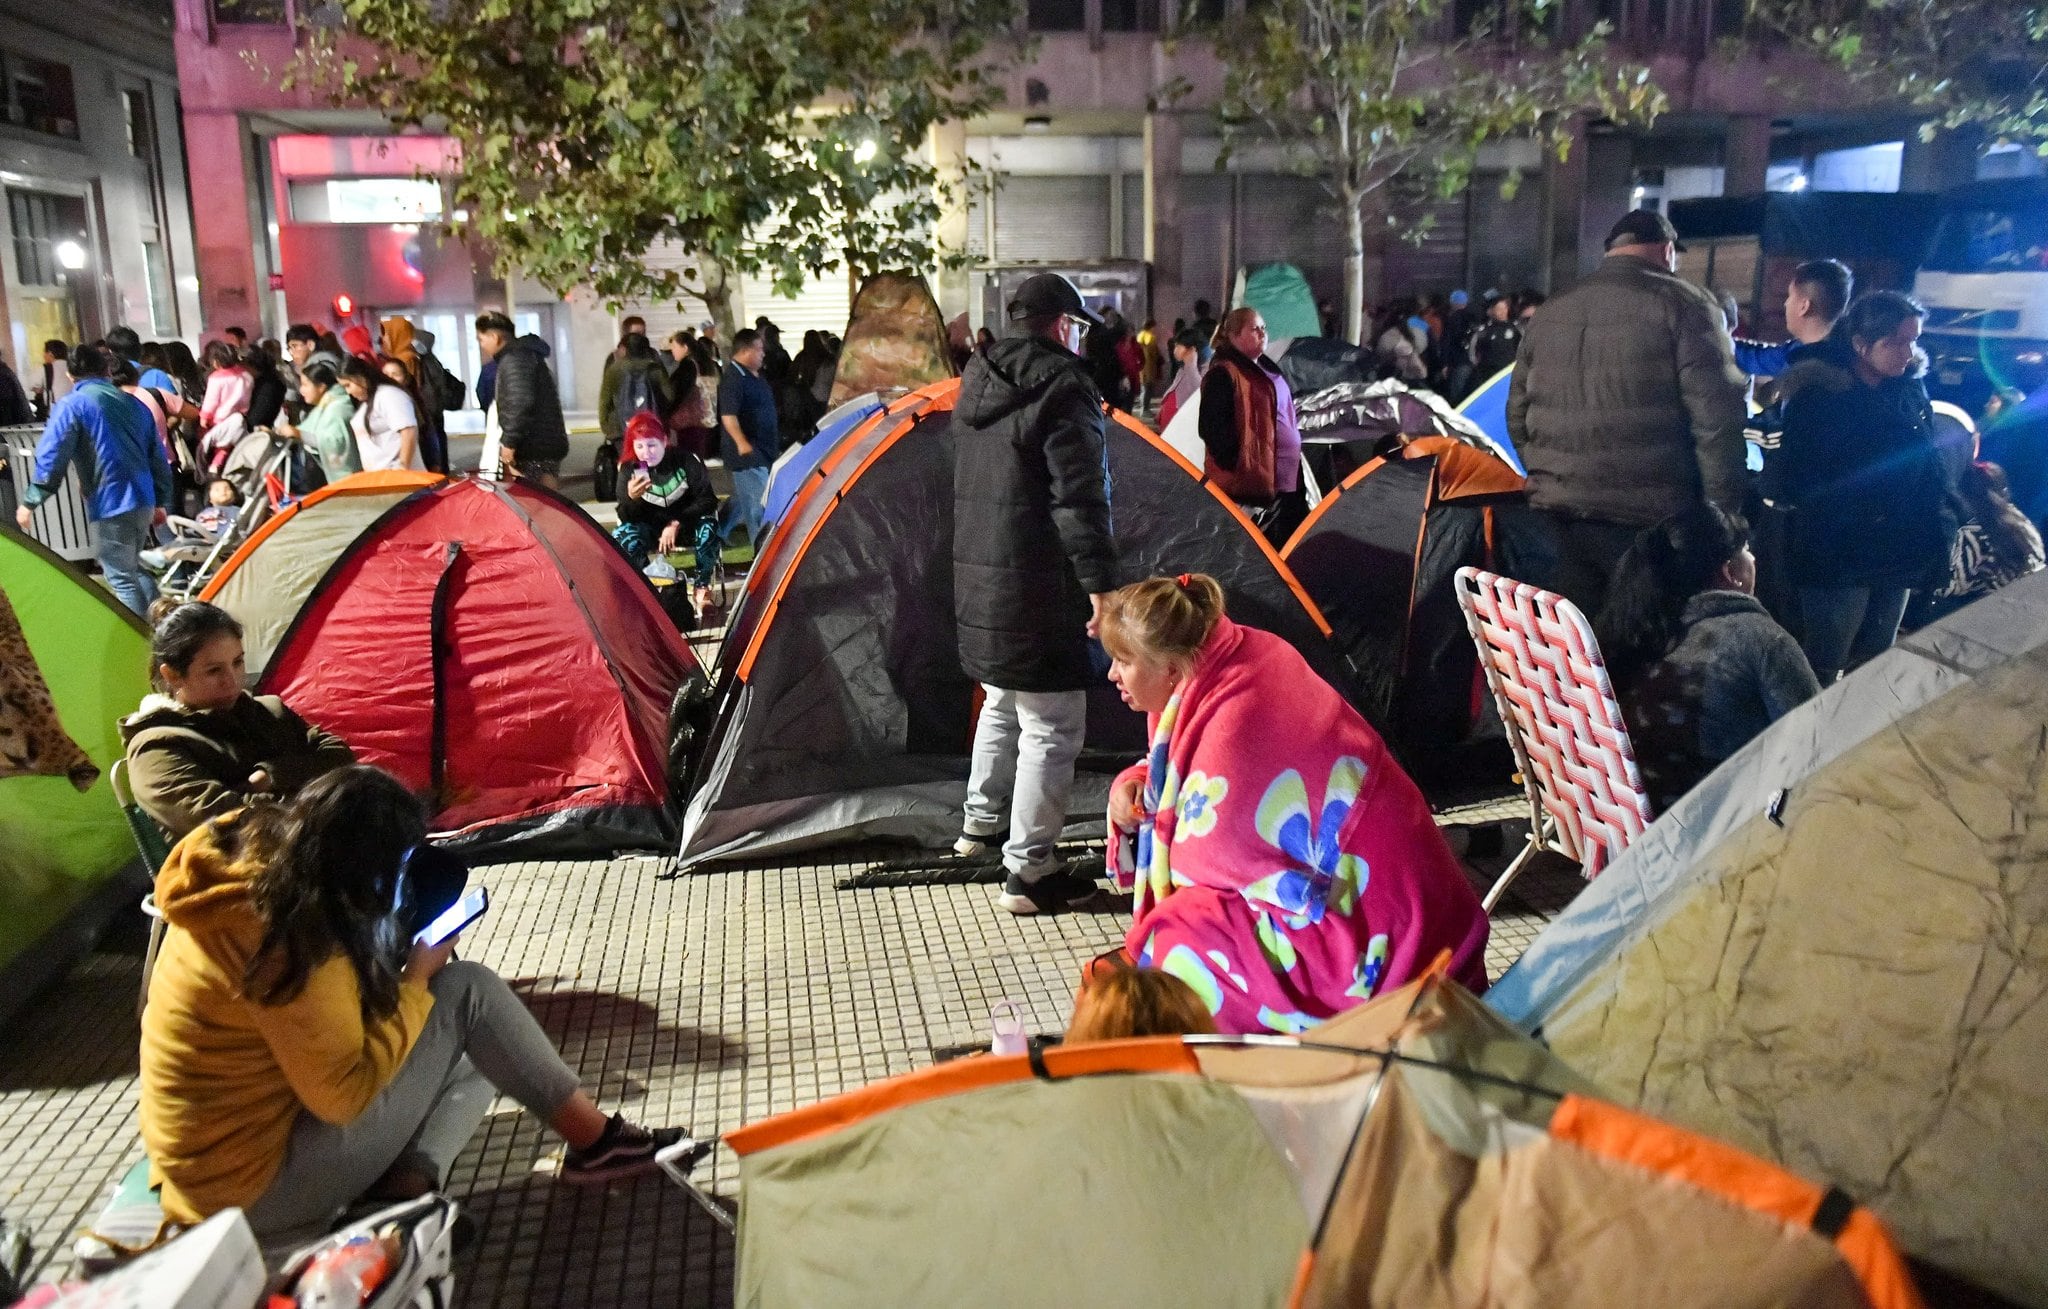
{"x":1281,"y":862}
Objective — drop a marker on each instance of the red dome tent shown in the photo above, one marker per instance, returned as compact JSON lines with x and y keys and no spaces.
{"x":842,"y":710}
{"x":486,"y":643}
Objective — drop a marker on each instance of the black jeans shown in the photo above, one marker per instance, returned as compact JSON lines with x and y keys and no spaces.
{"x":1582,"y":557}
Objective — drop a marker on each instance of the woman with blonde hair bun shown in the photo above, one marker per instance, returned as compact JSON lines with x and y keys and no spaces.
{"x":1281,"y":863}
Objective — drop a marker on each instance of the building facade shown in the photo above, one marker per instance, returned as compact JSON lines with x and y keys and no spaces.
{"x":1083,"y":168}
{"x":97,"y":219}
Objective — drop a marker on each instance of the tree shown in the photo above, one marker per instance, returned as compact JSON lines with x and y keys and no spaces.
{"x":762,"y":136}
{"x":1356,"y":92}
{"x":1965,"y":63}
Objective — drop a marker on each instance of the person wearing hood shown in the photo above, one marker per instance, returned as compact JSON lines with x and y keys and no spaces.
{"x":405,"y":344}
{"x":524,"y":428}
{"x":1869,"y":486}
{"x":303,"y":1050}
{"x":1033,"y":561}
{"x":1699,"y":666}
{"x":200,"y":745}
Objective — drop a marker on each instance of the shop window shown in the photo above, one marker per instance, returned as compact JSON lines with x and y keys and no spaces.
{"x":50,"y":238}
{"x":270,"y":12}
{"x":40,"y":97}
{"x":1130,"y":15}
{"x":1057,"y":15}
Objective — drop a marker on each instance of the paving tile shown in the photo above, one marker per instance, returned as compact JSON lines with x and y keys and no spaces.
{"x":705,"y":1001}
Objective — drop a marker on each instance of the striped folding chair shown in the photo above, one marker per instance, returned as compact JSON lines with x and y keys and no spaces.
{"x":1586,"y":799}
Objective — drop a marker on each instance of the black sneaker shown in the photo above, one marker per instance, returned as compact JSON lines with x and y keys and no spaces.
{"x":625,"y":1150}
{"x":971,"y":844}
{"x":1049,"y":894}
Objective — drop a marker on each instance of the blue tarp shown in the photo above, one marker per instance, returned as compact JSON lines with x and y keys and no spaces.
{"x":1488,"y":407}
{"x":804,"y":460}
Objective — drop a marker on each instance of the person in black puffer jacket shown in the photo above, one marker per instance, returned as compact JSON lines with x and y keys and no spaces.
{"x":1033,"y":559}
{"x":1870,"y":487}
{"x":526,"y":409}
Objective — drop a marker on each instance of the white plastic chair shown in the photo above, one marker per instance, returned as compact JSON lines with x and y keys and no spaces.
{"x":1586,"y":798}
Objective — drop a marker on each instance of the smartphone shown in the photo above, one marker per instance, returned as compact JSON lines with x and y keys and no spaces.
{"x":457,"y":916}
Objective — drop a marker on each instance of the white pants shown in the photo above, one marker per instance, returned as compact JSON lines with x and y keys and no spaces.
{"x":1024,"y":751}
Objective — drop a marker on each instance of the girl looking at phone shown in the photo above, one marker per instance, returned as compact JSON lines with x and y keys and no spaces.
{"x":300,"y":1053}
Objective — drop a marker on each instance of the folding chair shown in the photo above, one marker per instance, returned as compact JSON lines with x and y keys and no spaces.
{"x":1586,"y":799}
{"x":154,"y":849}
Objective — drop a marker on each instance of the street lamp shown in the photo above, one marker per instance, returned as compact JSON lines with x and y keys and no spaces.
{"x":865,"y":151}
{"x":70,"y":256}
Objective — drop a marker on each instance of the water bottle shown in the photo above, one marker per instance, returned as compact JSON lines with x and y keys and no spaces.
{"x":1006,"y":1029}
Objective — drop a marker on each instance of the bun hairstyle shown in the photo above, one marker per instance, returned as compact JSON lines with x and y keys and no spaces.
{"x":1168,"y":619}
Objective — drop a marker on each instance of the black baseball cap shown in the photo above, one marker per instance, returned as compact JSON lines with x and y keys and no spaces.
{"x":1049,"y":293}
{"x":1643,"y":227}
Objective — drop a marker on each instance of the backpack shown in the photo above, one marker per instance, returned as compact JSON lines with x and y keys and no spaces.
{"x":634,"y":393}
{"x":448,"y":389}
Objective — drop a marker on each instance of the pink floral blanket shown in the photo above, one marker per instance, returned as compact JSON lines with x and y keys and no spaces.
{"x":1287,"y":868}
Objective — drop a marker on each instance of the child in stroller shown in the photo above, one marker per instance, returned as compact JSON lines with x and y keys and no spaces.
{"x":667,"y":497}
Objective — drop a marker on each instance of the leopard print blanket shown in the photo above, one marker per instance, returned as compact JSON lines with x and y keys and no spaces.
{"x":32,"y":742}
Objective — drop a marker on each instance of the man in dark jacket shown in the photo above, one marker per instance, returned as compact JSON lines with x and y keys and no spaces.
{"x":525,"y":423}
{"x":1033,"y":560}
{"x":1626,"y":407}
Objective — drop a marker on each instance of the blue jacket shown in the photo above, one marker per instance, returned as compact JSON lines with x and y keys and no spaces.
{"x":112,"y":439}
{"x":1760,"y":360}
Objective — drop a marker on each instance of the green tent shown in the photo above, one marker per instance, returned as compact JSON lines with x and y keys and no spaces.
{"x":58,"y":846}
{"x":1281,"y":295}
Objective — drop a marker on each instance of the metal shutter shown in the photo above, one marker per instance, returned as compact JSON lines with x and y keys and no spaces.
{"x":1063,"y":219}
{"x":1205,"y":269}
{"x":665,"y":320}
{"x":1437,"y":261}
{"x":1289,"y":219}
{"x":1506,"y":236}
{"x":824,"y":303}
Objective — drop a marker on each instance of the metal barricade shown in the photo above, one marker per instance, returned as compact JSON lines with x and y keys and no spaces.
{"x":61,"y":522}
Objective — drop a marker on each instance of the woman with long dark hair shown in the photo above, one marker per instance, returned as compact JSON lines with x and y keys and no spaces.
{"x":1699,"y":665}
{"x":200,"y":745}
{"x":301,"y":1052}
{"x":266,"y":387}
{"x":387,"y":419}
{"x":1869,"y":484}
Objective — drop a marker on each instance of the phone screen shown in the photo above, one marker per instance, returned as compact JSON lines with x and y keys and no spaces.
{"x":456,"y":917}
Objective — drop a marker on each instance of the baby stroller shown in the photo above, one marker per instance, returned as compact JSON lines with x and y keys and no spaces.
{"x":270,"y":472}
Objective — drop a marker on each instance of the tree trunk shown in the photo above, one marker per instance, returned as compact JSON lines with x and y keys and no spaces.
{"x":718,"y":290}
{"x":1354,"y":270}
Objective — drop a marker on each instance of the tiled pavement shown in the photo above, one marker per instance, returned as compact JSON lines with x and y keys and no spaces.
{"x":710,"y":1000}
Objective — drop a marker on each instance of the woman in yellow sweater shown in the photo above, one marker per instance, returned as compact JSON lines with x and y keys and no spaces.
{"x":299,"y":1053}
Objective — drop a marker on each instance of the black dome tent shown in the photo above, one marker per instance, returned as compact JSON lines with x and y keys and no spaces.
{"x":841,"y":709}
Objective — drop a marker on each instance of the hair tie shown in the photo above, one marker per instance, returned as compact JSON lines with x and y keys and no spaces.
{"x":1183,"y":579}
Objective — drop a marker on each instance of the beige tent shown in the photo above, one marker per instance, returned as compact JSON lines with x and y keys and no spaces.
{"x":1835,"y":951}
{"x":894,"y":339}
{"x":268,"y":580}
{"x":1414,"y":1152}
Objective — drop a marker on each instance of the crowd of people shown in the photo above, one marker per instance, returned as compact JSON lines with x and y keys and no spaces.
{"x":300,"y":1054}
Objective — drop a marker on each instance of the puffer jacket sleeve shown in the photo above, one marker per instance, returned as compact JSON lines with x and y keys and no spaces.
{"x":1077,"y":462}
{"x":1518,"y":390}
{"x":518,"y":384}
{"x":1712,"y":388}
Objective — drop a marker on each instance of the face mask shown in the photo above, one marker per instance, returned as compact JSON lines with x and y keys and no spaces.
{"x":649,"y":451}
{"x":1077,"y":332}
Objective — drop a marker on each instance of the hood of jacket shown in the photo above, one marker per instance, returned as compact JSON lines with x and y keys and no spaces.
{"x":533,"y":342}
{"x":159,"y":710}
{"x":398,"y":339}
{"x":1831,"y":363}
{"x":1016,"y":373}
{"x":1720,"y":604}
{"x":204,"y":887}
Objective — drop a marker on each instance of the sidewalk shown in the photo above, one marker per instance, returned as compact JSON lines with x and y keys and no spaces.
{"x":707,"y":1001}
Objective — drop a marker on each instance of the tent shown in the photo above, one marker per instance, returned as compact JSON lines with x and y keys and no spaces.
{"x":1283,"y":298}
{"x":1379,"y":556}
{"x":842,"y":710}
{"x":267,"y":579}
{"x":1487,"y":407}
{"x":62,"y":850}
{"x":488,"y":644}
{"x":1831,"y":951}
{"x":1344,"y":426}
{"x":1412,"y":1152}
{"x":895,"y":337}
{"x":800,"y":461}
